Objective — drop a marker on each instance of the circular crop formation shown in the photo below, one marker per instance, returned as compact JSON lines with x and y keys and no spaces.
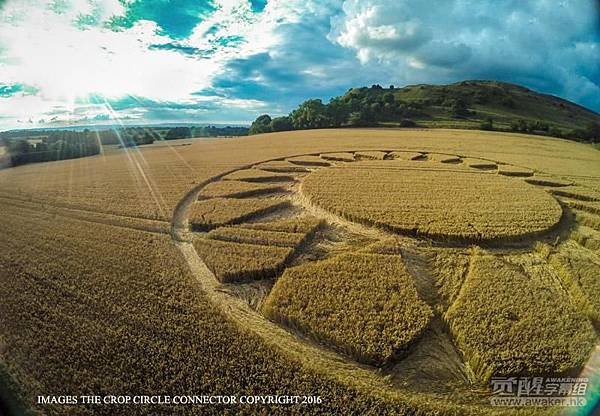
{"x":436,"y":203}
{"x":272,"y":234}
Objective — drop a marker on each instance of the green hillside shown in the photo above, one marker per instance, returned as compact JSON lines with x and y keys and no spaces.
{"x":487,"y":105}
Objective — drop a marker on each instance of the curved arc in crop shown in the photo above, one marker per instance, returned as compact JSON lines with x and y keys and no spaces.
{"x":319,"y":359}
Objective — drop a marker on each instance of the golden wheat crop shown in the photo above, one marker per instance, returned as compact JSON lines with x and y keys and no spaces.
{"x":509,"y":170}
{"x":390,"y":245}
{"x":438,"y":204}
{"x":407,"y":155}
{"x":589,"y":181}
{"x":580,"y":271}
{"x":148,"y":183}
{"x":579,"y":193}
{"x":282,"y":166}
{"x":449,"y":268}
{"x":504,"y":321}
{"x":416,"y":164}
{"x":305,"y":224}
{"x":587,"y":237}
{"x":365,"y":305}
{"x":88,"y":277}
{"x":257,"y":175}
{"x":120,"y":307}
{"x":238,"y":189}
{"x":211,"y":213}
{"x":443,"y":158}
{"x":373,"y":154}
{"x":542,"y":180}
{"x":231,"y":261}
{"x":90,"y":216}
{"x":308,"y":161}
{"x":479,"y":163}
{"x":587,"y":219}
{"x":588,"y":207}
{"x":254,"y":250}
{"x":254,"y":236}
{"x":339,"y":156}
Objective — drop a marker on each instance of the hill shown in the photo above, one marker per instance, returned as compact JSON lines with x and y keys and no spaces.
{"x":486,"y":105}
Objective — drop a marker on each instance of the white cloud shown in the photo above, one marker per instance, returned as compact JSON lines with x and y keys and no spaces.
{"x":286,"y":53}
{"x":546,"y":44}
{"x":46,"y":51}
{"x":65,"y":62}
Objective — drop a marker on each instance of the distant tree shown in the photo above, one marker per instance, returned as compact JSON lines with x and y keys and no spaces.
{"x":481,"y":97}
{"x":213,"y":131}
{"x":146,"y":138}
{"x":407,"y":122}
{"x":540,"y":126}
{"x":508,"y":102}
{"x":41,"y":147}
{"x":54,"y":146}
{"x":392,"y":87}
{"x":338,"y":111}
{"x":311,"y":114}
{"x":108,"y":137}
{"x":593,"y":132}
{"x":519,"y":125}
{"x":459,"y":108}
{"x":556,"y":132}
{"x":389,"y":109}
{"x":261,"y":125}
{"x":375,"y":110}
{"x":19,"y":147}
{"x":357,"y":119}
{"x":488,"y":124}
{"x":281,"y":124}
{"x":179,"y":133}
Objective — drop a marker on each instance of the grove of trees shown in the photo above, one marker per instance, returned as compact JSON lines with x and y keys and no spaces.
{"x":359,"y":107}
{"x":55,"y":147}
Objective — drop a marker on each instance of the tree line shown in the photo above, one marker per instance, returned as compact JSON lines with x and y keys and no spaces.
{"x":357,"y":108}
{"x":58,"y":145}
{"x":32,"y":146}
{"x":376,"y":106}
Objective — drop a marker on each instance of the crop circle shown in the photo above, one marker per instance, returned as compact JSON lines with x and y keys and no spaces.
{"x":442,"y":204}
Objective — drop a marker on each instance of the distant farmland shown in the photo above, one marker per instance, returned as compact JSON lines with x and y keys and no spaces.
{"x":383,"y":271}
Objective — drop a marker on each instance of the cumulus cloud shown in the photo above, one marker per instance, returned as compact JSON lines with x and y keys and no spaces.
{"x":73,"y":49}
{"x":233,"y":59}
{"x":47,"y":49}
{"x":545,"y":44}
{"x":301,"y":62}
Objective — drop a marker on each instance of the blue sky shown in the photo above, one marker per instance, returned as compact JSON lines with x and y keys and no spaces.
{"x":227,"y":61}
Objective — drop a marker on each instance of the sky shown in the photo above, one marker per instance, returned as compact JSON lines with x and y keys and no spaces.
{"x":227,"y":61}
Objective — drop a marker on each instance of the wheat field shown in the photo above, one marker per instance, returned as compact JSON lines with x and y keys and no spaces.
{"x":314,"y":262}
